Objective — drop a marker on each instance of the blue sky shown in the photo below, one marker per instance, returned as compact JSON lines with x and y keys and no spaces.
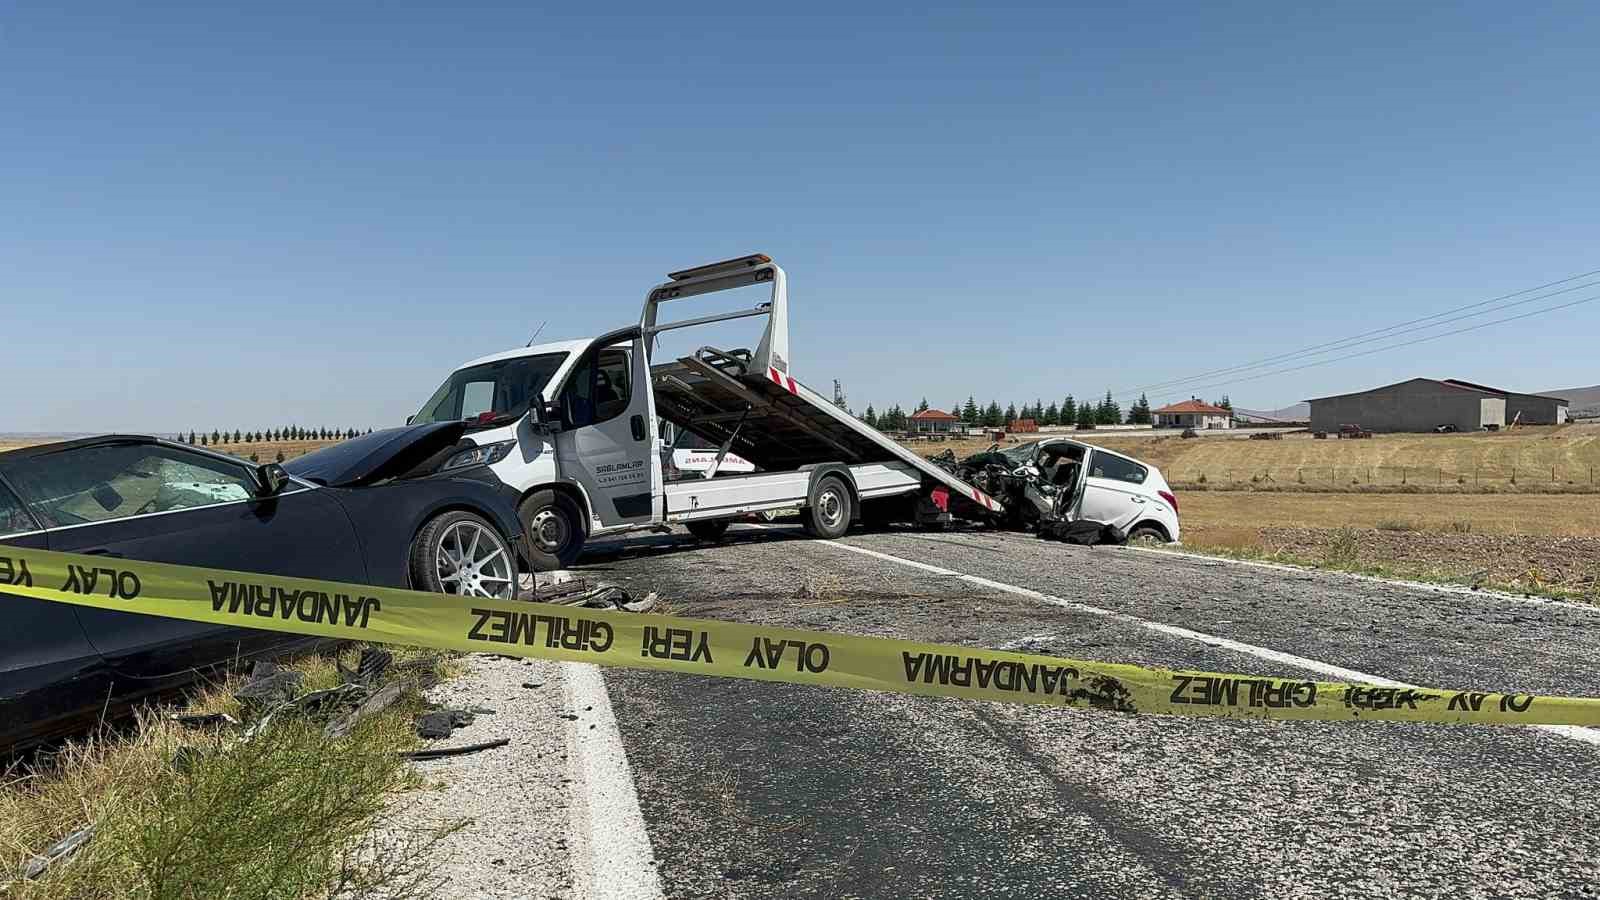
{"x":309,"y":213}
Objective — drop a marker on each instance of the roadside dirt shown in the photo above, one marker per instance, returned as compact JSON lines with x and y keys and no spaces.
{"x":1544,"y":561}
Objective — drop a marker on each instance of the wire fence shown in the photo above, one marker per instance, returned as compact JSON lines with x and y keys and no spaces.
{"x":1399,"y":476}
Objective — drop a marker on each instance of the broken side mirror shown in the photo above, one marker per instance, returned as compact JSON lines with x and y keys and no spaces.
{"x":272,"y":479}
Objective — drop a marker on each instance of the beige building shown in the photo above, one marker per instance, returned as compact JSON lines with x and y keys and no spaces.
{"x":1192,"y":414}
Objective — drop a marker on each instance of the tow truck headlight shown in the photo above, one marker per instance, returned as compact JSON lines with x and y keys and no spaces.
{"x":486,"y":454}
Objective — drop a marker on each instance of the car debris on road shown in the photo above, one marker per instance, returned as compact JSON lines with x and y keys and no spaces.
{"x":564,"y":587}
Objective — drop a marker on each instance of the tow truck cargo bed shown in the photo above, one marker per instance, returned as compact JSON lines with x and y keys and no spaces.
{"x":781,"y":425}
{"x":735,"y":495}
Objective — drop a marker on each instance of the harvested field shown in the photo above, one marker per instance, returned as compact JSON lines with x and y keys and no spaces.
{"x":1547,"y":565}
{"x":1547,"y":544}
{"x":1531,"y":459}
{"x":1540,"y":514}
{"x":265,"y":451}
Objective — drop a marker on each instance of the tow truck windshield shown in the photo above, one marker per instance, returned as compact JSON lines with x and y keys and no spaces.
{"x":503,"y":388}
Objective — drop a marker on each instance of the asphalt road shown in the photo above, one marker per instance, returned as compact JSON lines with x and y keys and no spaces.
{"x":759,"y":790}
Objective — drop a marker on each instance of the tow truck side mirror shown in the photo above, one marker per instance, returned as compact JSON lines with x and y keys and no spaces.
{"x":544,"y":415}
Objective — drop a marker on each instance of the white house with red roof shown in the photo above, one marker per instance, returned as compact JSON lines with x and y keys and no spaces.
{"x":1194,"y":414}
{"x":933,"y":421}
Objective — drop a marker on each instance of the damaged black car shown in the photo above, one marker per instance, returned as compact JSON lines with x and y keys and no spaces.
{"x":407,"y":507}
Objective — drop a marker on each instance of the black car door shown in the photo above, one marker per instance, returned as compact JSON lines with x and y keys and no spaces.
{"x":167,"y":503}
{"x":48,"y":670}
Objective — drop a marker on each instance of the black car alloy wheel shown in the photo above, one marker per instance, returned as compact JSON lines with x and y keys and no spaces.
{"x":461,"y":553}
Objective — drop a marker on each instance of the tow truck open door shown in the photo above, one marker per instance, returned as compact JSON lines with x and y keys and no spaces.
{"x":607,"y":441}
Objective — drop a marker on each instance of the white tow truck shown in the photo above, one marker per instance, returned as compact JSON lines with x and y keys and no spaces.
{"x":574,"y":428}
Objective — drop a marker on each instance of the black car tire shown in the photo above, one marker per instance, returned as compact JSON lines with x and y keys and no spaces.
{"x":827,"y":512}
{"x":710,"y":530}
{"x":553,"y":524}
{"x":498,"y":575}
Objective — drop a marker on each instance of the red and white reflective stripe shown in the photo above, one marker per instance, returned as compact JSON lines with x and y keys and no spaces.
{"x":782,"y":380}
{"x":987,"y":501}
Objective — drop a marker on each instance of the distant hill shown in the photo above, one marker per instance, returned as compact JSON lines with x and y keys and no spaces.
{"x":1299,"y":412}
{"x":1585,"y":401}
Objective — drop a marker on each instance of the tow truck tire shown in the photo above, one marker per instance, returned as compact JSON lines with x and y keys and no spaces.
{"x":708,"y":530}
{"x":553,"y":526}
{"x":827,"y":512}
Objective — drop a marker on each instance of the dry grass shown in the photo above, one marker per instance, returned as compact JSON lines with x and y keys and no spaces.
{"x":1535,"y":457}
{"x":283,"y":815}
{"x":1205,"y":513}
{"x":266,"y":451}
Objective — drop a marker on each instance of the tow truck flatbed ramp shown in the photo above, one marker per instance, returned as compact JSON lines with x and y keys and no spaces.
{"x":772,"y":419}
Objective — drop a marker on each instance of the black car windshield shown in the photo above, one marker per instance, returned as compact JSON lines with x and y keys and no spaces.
{"x":502,"y":387}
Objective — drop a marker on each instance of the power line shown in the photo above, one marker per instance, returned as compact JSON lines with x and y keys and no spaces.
{"x":1367,"y":337}
{"x":1431,"y":337}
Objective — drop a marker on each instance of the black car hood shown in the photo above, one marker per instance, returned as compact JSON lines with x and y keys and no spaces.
{"x":381,"y":454}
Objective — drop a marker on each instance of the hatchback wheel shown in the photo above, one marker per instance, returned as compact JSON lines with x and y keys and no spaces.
{"x":1147,"y":534}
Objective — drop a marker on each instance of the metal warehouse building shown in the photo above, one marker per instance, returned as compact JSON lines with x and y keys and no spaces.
{"x":1529,"y":409}
{"x":1424,"y":404}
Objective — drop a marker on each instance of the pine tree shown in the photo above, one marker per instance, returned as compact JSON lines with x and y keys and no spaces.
{"x":1069,"y":412}
{"x":992,"y":416}
{"x":923,"y":406}
{"x":202,"y":440}
{"x":1110,"y":412}
{"x":955,"y":411}
{"x":1086,"y":417}
{"x":970,"y":412}
{"x":249,"y":437}
{"x":191,"y":437}
{"x":1051,"y":414}
{"x":1225,"y":403}
{"x":1011,"y":413}
{"x":871,"y":416}
{"x":236,"y":436}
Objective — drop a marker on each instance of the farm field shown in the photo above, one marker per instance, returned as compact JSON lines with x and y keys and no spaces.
{"x":1544,"y":514}
{"x":1532,"y":458}
{"x":266,"y":451}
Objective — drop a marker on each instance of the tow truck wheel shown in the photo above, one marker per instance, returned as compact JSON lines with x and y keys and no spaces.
{"x":554,"y":528}
{"x":709,"y":530}
{"x":827,"y":514}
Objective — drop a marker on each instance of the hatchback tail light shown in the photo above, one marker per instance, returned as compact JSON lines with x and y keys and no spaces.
{"x":1172,"y":499}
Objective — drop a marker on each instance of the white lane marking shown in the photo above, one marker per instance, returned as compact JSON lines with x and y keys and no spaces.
{"x":1464,"y":593}
{"x":609,"y":846}
{"x":1340,"y":673}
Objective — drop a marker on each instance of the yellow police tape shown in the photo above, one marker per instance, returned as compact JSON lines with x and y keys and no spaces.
{"x":733,"y":649}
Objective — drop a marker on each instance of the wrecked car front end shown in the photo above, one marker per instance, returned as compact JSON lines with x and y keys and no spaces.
{"x":1040,"y":483}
